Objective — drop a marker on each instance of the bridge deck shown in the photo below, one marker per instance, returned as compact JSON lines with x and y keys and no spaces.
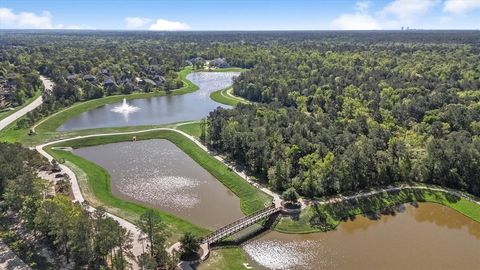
{"x":240,"y":224}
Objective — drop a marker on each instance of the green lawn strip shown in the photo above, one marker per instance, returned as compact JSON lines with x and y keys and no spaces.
{"x":12,"y":134}
{"x":327,"y":217}
{"x":231,"y":258}
{"x":56,"y":120}
{"x":222,"y":96}
{"x":251,"y":199}
{"x":228,"y":92}
{"x":5,"y":114}
{"x":217,"y":96}
{"x":193,"y":129}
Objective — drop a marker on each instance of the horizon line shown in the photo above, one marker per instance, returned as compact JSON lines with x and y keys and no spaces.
{"x":260,"y":30}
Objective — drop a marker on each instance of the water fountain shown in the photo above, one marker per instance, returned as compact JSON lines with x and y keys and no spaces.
{"x":125,"y":109}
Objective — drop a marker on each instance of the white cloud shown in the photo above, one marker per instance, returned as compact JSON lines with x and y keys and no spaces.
{"x":362,"y":6}
{"x":28,"y":20}
{"x":6,"y":15}
{"x":137,"y":22}
{"x":407,"y":9}
{"x":360,"y":20}
{"x":356,"y":21}
{"x":460,"y":7}
{"x":165,"y":25}
{"x":73,"y":26}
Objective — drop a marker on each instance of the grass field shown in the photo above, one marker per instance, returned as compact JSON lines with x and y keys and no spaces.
{"x":327,"y":217}
{"x":11,"y":134}
{"x":225,"y":258}
{"x":225,"y":96}
{"x":193,"y":129}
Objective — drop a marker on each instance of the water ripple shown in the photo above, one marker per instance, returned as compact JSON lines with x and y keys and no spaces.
{"x":170,"y":190}
{"x":281,"y":255}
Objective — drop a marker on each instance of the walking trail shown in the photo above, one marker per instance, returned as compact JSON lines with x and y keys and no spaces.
{"x":137,"y":245}
{"x":29,"y":107}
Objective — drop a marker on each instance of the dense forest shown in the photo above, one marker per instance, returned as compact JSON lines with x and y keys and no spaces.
{"x":331,"y":112}
{"x":334,"y":111}
{"x":17,"y":84}
{"x":333,"y":117}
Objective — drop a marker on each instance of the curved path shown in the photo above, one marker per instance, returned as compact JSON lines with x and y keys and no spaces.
{"x":29,"y":107}
{"x":138,"y":247}
{"x":398,"y":188}
{"x":227,"y":93}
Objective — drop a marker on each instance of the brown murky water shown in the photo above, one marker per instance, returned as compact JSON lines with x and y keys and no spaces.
{"x":428,"y":237}
{"x":159,"y":174}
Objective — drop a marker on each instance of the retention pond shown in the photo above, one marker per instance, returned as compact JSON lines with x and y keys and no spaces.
{"x":159,"y":174}
{"x":158,"y":110}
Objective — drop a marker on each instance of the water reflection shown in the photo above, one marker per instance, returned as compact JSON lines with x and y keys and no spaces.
{"x":280,"y":255}
{"x":440,"y":216}
{"x":428,"y":237}
{"x":158,"y":173}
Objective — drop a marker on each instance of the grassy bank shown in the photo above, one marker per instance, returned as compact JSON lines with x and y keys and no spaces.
{"x":225,"y":258}
{"x":225,"y":96}
{"x":251,"y":199}
{"x":327,"y":217}
{"x":11,"y":134}
{"x":194,"y":129}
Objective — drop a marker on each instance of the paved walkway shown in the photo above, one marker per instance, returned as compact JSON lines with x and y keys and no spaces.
{"x":29,"y":107}
{"x":229,"y":95}
{"x":396,"y":188}
{"x":138,"y":247}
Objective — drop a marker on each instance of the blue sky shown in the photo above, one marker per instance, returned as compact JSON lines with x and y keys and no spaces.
{"x":240,"y":15}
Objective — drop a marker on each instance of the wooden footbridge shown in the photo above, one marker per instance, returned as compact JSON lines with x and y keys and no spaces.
{"x":240,"y":224}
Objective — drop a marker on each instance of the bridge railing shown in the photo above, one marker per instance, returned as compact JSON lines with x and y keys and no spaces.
{"x":239,"y":224}
{"x":242,"y":219}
